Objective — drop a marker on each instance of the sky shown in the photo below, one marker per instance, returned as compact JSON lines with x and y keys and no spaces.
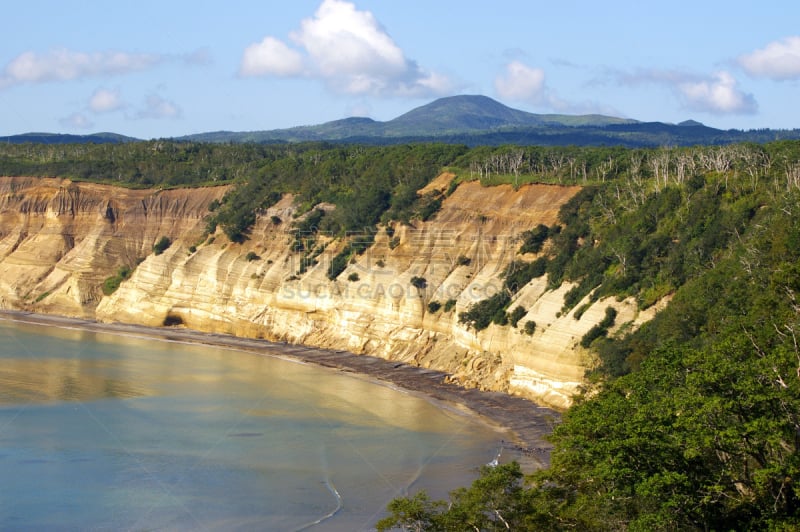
{"x":153,"y":69}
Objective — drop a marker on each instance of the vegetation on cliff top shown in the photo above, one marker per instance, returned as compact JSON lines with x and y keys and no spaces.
{"x":689,"y":422}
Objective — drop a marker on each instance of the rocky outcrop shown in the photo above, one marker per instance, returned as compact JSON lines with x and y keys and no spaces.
{"x":60,"y":240}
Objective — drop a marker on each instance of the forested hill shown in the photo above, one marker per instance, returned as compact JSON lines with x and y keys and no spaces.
{"x":689,"y":422}
{"x":60,"y":138}
{"x":477,"y":120}
{"x":472,"y":120}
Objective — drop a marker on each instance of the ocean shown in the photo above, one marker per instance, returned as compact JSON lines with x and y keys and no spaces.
{"x":110,"y":432}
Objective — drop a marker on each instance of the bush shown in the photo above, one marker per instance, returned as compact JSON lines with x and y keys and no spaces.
{"x":276,"y":220}
{"x":533,"y":240}
{"x":429,"y":205}
{"x":517,"y":314}
{"x":580,"y":310}
{"x":449,"y":305}
{"x":419,"y":282}
{"x":601,"y":329}
{"x":394,"y":242}
{"x":163,"y":243}
{"x":530,"y":327}
{"x":111,"y":284}
{"x":353,"y":277}
{"x":338,"y":264}
{"x":251,"y":256}
{"x":357,"y":247}
{"x":483,"y":313}
{"x":434,"y":306}
{"x":463,"y":260}
{"x":519,"y":273}
{"x":451,"y":187}
{"x":610,"y":318}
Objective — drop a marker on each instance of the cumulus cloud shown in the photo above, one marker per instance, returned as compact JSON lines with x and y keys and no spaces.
{"x":521,"y":82}
{"x":105,"y":101}
{"x":718,"y":95}
{"x":349,"y":50}
{"x":156,"y":107}
{"x":779,"y":60}
{"x":76,"y":121}
{"x":63,"y":64}
{"x":270,"y":57}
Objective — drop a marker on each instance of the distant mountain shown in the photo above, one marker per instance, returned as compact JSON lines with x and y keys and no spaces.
{"x":479,"y":120}
{"x":450,"y":117}
{"x":59,"y":138}
{"x":474,"y":121}
{"x":479,"y":113}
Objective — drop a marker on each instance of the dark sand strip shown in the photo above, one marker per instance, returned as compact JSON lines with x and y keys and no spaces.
{"x":527,"y":422}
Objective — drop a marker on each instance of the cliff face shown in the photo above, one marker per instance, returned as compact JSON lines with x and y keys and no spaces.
{"x":60,"y":240}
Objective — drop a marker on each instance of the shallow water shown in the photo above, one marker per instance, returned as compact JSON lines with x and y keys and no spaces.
{"x":110,"y":432}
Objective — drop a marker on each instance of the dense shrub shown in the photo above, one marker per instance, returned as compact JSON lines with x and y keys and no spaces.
{"x":517,"y":314}
{"x":519,"y":273}
{"x":419,"y":282}
{"x":530,"y":327}
{"x":487,"y":311}
{"x":162,"y":244}
{"x":601,"y":329}
{"x":533,"y":240}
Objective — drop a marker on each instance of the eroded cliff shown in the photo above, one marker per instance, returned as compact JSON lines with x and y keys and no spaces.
{"x":60,"y":240}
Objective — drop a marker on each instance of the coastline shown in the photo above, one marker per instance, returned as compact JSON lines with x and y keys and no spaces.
{"x":526,"y":422}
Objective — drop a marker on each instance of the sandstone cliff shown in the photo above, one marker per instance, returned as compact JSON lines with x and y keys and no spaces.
{"x":59,"y":241}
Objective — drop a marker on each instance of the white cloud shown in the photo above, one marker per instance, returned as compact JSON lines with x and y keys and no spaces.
{"x":349,"y":50}
{"x":779,"y":60}
{"x":76,"y":121}
{"x":270,"y":57}
{"x":105,"y":101}
{"x":62,"y":64}
{"x":341,"y":39}
{"x":158,"y":108}
{"x":521,"y":83}
{"x":717,"y":95}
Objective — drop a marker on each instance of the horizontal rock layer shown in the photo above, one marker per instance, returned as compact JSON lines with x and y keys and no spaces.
{"x":60,"y":240}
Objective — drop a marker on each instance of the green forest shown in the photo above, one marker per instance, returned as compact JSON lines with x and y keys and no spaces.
{"x":691,"y":422}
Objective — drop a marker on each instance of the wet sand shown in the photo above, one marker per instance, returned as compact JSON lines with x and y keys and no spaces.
{"x":527,"y":423}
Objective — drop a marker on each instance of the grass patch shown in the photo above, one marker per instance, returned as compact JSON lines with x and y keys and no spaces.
{"x":111,"y":284}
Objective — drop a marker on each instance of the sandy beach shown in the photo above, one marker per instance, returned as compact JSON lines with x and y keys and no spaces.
{"x":525,"y":423}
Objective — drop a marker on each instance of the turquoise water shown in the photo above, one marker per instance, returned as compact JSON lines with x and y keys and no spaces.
{"x":107,"y":432}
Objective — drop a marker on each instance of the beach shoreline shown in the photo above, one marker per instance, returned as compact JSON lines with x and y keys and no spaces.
{"x":525,"y":423}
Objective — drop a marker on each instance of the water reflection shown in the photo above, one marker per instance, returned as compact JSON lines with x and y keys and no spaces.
{"x":54,"y":379}
{"x":126,"y":433}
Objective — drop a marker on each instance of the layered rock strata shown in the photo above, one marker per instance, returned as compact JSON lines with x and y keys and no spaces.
{"x":59,"y":241}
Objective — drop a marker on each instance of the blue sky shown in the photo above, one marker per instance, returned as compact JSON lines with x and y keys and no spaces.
{"x":165,"y":68}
